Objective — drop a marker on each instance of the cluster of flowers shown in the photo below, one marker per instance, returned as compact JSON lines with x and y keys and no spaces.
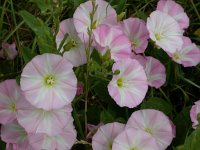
{"x":37,"y":115}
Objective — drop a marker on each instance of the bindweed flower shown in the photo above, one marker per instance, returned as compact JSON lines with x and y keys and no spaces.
{"x":189,"y":55}
{"x":175,"y":10}
{"x":105,"y":135}
{"x":165,"y":31}
{"x":154,"y":70}
{"x":10,"y":94}
{"x":129,"y":87}
{"x":155,"y":123}
{"x":73,"y":48}
{"x":136,"y":30}
{"x":16,"y":136}
{"x":79,"y":89}
{"x":8,"y":51}
{"x":104,"y":14}
{"x":36,"y":120}
{"x":195,"y":114}
{"x":61,"y":141}
{"x":132,"y":139}
{"x":48,"y":82}
{"x":112,"y":39}
{"x":92,"y":129}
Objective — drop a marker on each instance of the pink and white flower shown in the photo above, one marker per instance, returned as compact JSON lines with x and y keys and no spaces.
{"x":129,"y":87}
{"x":175,"y":10}
{"x":73,"y":48}
{"x":16,"y":136}
{"x":114,"y":40}
{"x":189,"y":55}
{"x":61,"y":141}
{"x":104,"y":14}
{"x":10,"y":94}
{"x":48,"y":82}
{"x":8,"y":51}
{"x":154,"y":122}
{"x":105,"y":135}
{"x":154,"y":69}
{"x":165,"y":31}
{"x":36,"y":120}
{"x":195,"y":114}
{"x":132,"y":139}
{"x":136,"y":30}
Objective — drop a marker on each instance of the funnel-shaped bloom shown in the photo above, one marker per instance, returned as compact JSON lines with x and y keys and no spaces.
{"x":105,"y":135}
{"x":132,"y":139}
{"x":14,"y":134}
{"x":155,"y":123}
{"x":195,"y":113}
{"x":137,"y":32}
{"x":8,"y":51}
{"x":104,"y":14}
{"x":154,"y":70}
{"x":165,"y":31}
{"x":48,"y":82}
{"x":36,"y":120}
{"x":175,"y":10}
{"x":129,"y":87}
{"x":189,"y":55}
{"x":73,"y":48}
{"x":113,"y":39}
{"x":9,"y":96}
{"x":61,"y":141}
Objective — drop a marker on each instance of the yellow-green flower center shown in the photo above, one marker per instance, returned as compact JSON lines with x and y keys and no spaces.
{"x":176,"y":56}
{"x":158,"y":37}
{"x":148,"y":130}
{"x":13,"y":107}
{"x":49,"y":80}
{"x":120,"y":82}
{"x":110,"y":146}
{"x":70,"y":44}
{"x":134,"y":43}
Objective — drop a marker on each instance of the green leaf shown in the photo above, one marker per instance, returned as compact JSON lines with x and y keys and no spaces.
{"x":157,"y":103}
{"x":107,"y":117}
{"x":44,"y":34}
{"x":27,"y":54}
{"x":118,"y":5}
{"x":44,"y":5}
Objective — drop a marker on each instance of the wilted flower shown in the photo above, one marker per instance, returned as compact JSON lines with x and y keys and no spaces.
{"x":188,"y":56}
{"x":133,"y":139}
{"x":92,"y":129}
{"x":129,"y":87}
{"x":9,"y":96}
{"x":8,"y":51}
{"x":16,"y":136}
{"x":105,"y":135}
{"x":154,"y":122}
{"x":61,"y":141}
{"x":112,"y":39}
{"x":104,"y":14}
{"x":79,"y":88}
{"x":165,"y":31}
{"x":175,"y":10}
{"x":137,"y":32}
{"x":195,"y":114}
{"x":48,"y":81}
{"x":73,"y":48}
{"x":154,"y":70}
{"x":36,"y":120}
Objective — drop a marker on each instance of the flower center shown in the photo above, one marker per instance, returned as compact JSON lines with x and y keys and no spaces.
{"x":134,"y":43}
{"x":13,"y":107}
{"x":70,"y":44}
{"x":49,"y":80}
{"x":148,"y":130}
{"x":176,"y":56}
{"x":158,"y":37}
{"x":110,"y":146}
{"x":120,"y":82}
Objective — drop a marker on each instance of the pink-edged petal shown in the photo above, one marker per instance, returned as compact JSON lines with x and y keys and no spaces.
{"x":130,"y":86}
{"x":113,"y":39}
{"x":175,"y":10}
{"x":137,"y":32}
{"x":10,"y":94}
{"x":132,"y":139}
{"x":8,"y":50}
{"x":105,"y":135}
{"x":154,"y":122}
{"x":36,"y":120}
{"x":61,"y":141}
{"x":165,"y":31}
{"x":104,"y":14}
{"x":48,"y":82}
{"x":189,"y":55}
{"x":194,"y":112}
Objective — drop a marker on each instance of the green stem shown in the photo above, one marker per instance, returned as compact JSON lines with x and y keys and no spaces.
{"x":195,"y":9}
{"x":2,"y":15}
